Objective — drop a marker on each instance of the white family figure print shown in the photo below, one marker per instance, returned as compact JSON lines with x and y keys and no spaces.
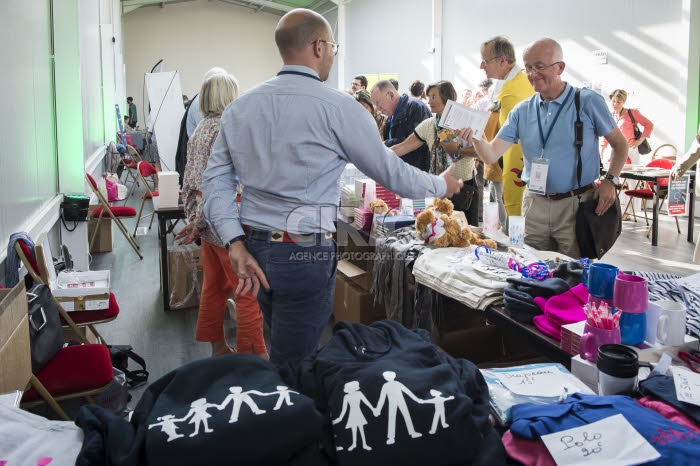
{"x":392,"y":392}
{"x":284,"y":393}
{"x":198,"y":413}
{"x":439,"y":401}
{"x":168,"y":426}
{"x":352,"y":403}
{"x":238,"y":396}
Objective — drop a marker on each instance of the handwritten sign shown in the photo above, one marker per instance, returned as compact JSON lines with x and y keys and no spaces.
{"x":609,"y":442}
{"x":542,"y":381}
{"x":687,"y":385}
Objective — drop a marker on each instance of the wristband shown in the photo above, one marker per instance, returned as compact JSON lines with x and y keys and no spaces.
{"x":237,"y":238}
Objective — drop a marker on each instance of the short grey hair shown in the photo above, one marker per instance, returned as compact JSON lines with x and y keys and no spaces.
{"x":501,"y":47}
{"x":384,"y":85}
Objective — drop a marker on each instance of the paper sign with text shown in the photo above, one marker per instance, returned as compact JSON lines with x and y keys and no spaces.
{"x":458,"y":116}
{"x":543,"y":381}
{"x":678,"y":195}
{"x":687,"y":385}
{"x":609,"y":442}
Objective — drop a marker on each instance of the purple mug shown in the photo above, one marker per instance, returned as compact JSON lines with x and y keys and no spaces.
{"x":631,"y":294}
{"x":593,"y":338}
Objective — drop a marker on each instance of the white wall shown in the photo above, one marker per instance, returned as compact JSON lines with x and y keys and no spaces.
{"x":192,"y":37}
{"x":651,"y":51}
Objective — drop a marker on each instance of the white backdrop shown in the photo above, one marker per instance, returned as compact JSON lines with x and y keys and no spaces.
{"x":165,"y":99}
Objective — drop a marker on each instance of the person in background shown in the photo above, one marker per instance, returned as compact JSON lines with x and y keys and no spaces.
{"x":481,"y":105}
{"x":365,"y":100}
{"x":683,"y":163}
{"x":405,"y":113}
{"x":498,"y":62}
{"x":394,"y":83}
{"x":185,"y":100}
{"x":220,"y":280}
{"x":281,"y":244}
{"x":444,"y":148}
{"x":417,"y":90}
{"x":621,"y":114}
{"x":359,"y":83}
{"x":133,"y":118}
{"x":544,"y":124}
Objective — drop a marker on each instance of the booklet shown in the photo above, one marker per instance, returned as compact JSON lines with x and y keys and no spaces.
{"x":678,"y":195}
{"x":458,"y":116}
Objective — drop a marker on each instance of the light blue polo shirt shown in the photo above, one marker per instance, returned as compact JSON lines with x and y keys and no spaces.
{"x":521,"y":125}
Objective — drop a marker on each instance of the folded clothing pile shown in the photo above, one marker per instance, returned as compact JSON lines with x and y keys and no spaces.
{"x":519,"y":296}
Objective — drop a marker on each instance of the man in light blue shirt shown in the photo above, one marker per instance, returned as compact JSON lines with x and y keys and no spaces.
{"x":544,"y":125}
{"x":288,"y":141}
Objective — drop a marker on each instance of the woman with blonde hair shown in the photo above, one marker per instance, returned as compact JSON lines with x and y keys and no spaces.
{"x":218,"y":90}
{"x":623,"y":117}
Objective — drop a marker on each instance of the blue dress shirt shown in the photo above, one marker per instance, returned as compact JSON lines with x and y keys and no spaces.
{"x":288,"y":140}
{"x":521,"y":125}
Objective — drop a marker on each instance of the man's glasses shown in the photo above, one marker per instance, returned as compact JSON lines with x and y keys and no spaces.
{"x":333,"y":45}
{"x":539,"y":67}
{"x":379,"y":102}
{"x":486,"y":62}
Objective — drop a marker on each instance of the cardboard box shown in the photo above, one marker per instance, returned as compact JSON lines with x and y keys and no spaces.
{"x":15,"y":352}
{"x":354,"y":274}
{"x":358,"y":306}
{"x":86,"y":291}
{"x":185,"y":276}
{"x":104,"y":240}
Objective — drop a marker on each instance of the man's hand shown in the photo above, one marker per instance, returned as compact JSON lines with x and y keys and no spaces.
{"x":674,"y":172}
{"x":606,"y":194}
{"x":189,"y":234}
{"x":250,"y":275}
{"x":465,"y":134}
{"x":453,"y":184}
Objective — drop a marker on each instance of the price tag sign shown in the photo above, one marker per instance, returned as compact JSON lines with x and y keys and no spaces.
{"x":609,"y":442}
{"x":543,"y":381}
{"x":687,"y":385}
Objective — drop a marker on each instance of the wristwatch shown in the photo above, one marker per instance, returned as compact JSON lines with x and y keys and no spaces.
{"x":237,"y":238}
{"x":615,"y":180}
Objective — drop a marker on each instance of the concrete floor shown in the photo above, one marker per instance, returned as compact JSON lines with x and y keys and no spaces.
{"x":166,"y":339}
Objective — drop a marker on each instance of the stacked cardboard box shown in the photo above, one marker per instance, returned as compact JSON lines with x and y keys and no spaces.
{"x":168,"y":189}
{"x":103,"y":240}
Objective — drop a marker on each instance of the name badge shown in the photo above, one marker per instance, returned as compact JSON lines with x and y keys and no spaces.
{"x":538,"y":176}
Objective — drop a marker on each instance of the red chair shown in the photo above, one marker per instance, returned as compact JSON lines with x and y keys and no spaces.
{"x":646,"y":192}
{"x":37,"y":263}
{"x":116,"y":213}
{"x":146,"y":170}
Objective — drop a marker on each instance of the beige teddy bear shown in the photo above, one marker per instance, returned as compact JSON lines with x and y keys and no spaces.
{"x":437,"y":227}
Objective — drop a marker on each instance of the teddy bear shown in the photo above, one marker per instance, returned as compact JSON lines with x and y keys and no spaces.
{"x":379,"y":207}
{"x":437,"y":227}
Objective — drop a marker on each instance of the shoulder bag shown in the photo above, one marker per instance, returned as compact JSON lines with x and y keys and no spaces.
{"x":644,"y":148}
{"x":45,"y":332}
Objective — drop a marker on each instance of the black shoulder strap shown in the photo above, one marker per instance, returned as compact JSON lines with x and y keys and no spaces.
{"x":629,"y":112}
{"x":578,"y":131}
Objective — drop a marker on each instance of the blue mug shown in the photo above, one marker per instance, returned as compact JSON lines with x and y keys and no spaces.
{"x":599,"y":279}
{"x":633,"y":328}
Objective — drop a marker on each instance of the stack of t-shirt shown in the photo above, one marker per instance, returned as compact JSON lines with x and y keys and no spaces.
{"x":348,"y":202}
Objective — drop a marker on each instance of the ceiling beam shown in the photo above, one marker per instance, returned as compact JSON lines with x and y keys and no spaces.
{"x":270,"y":4}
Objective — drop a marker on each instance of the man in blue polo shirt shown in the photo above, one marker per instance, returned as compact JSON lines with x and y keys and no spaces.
{"x":544,"y":125}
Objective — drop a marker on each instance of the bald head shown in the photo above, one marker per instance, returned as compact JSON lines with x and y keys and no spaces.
{"x":298,"y":29}
{"x":548,"y":45}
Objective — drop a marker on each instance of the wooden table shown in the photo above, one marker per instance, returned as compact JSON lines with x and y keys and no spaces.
{"x":167,"y":219}
{"x":653,"y":175}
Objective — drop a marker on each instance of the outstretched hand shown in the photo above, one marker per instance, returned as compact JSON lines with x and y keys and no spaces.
{"x":250,"y":275}
{"x":454,"y":185}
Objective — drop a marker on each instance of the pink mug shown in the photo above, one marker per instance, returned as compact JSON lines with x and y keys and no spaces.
{"x":631,"y":294}
{"x":593,"y":337}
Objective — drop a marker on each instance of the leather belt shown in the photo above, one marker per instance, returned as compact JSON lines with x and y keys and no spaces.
{"x":575,"y":192}
{"x":278,"y":236}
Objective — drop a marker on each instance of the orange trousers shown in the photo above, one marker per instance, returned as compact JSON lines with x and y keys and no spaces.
{"x":219,"y":281}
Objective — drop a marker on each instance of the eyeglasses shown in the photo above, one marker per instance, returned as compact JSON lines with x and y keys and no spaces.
{"x":379,"y":102}
{"x":486,"y":62}
{"x":333,"y":45}
{"x":539,"y":68}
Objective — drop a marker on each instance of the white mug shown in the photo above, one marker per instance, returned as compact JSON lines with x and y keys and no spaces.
{"x":671,"y":327}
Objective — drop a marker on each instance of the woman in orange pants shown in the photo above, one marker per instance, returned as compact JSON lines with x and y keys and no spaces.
{"x":218,"y":90}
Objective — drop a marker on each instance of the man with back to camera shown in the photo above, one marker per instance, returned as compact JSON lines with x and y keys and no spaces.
{"x":133,"y":119}
{"x":498,"y":62}
{"x":405,"y":114}
{"x":288,"y":140}
{"x":358,"y":83}
{"x":544,"y":124}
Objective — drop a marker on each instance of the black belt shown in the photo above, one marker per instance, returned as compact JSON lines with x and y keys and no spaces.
{"x":575,"y":192}
{"x":278,"y":236}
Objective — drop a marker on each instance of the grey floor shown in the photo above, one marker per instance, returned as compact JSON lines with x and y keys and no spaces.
{"x":166,"y":339}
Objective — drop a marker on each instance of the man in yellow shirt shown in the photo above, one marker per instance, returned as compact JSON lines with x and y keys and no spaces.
{"x":498,"y":62}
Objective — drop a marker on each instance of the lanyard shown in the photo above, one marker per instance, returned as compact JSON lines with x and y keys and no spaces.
{"x":551,"y":127}
{"x":300,"y":73}
{"x":396,"y":113}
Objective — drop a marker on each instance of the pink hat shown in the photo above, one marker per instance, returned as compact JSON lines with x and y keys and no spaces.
{"x":566,"y":308}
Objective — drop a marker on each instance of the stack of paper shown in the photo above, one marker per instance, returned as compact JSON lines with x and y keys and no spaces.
{"x":387,"y":196}
{"x":387,"y":224}
{"x":361,"y":186}
{"x":418,"y":205}
{"x":363,"y":218}
{"x":168,"y":189}
{"x":348,"y":202}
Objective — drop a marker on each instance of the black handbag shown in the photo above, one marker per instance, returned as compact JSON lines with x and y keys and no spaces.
{"x":644,"y":148}
{"x":120,"y":355}
{"x":45,"y":332}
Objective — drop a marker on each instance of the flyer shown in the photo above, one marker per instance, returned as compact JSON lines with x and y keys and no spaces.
{"x":678,"y":195}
